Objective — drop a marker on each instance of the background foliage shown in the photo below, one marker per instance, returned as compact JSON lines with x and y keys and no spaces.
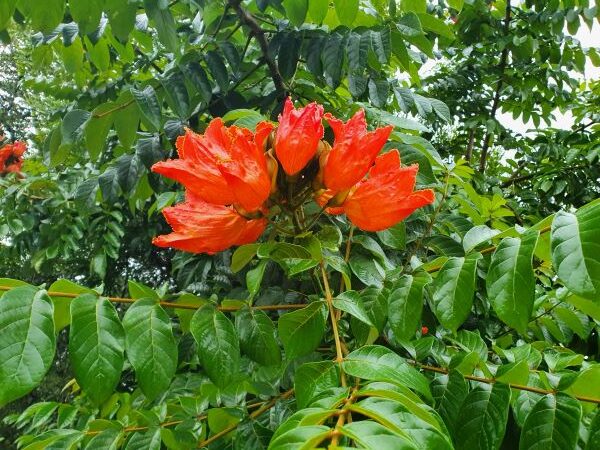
{"x":503,"y":270}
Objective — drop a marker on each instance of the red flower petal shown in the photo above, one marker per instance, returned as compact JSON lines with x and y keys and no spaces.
{"x":200,"y":227}
{"x":226,"y":165}
{"x":387,"y":196}
{"x":298,"y":135}
{"x":353,"y":152}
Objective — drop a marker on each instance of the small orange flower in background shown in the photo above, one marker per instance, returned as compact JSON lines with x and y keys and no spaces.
{"x":233,"y":182}
{"x":11,"y":157}
{"x":424,"y":330}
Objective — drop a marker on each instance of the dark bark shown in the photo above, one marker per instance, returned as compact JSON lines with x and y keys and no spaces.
{"x":487,"y":141}
{"x":259,"y":34}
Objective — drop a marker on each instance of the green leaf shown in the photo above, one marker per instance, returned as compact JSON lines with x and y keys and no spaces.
{"x":456,"y":4}
{"x":107,"y":439}
{"x":482,"y":418}
{"x":150,"y":346}
{"x":96,"y":346}
{"x":302,"y":331}
{"x":242,"y":256}
{"x":159,"y":12}
{"x":553,"y":423}
{"x":145,"y":440}
{"x":375,"y":303}
{"x":378,"y":92}
{"x":109,"y":185}
{"x":449,"y":392}
{"x":393,"y":416}
{"x":586,"y":384}
{"x":254,"y":278}
{"x":73,"y":125}
{"x":27,"y":342}
{"x":194,"y":72}
{"x":593,"y":441}
{"x":217,"y":69}
{"x":373,"y":362}
{"x":405,"y":304}
{"x":394,"y":237}
{"x":140,"y":290}
{"x":431,"y":23}
{"x":478,"y":235}
{"x":346,"y":10}
{"x":218,"y":346}
{"x":575,"y":243}
{"x":97,"y":128}
{"x":317,"y":10}
{"x":332,"y":57}
{"x":147,"y":101}
{"x":289,"y":53}
{"x":511,"y":282}
{"x":126,"y":118}
{"x":86,"y":13}
{"x":121,"y":16}
{"x":7,"y":9}
{"x":300,"y":438}
{"x":296,"y":11}
{"x":257,"y":336}
{"x":453,"y":290}
{"x":129,"y":171}
{"x":409,"y":25}
{"x":45,"y":16}
{"x":351,"y":302}
{"x":441,"y":109}
{"x":372,"y":435}
{"x":98,"y":53}
{"x":62,"y":305}
{"x":282,"y":250}
{"x":177,"y":94}
{"x":367,"y":270}
{"x":313,"y":378}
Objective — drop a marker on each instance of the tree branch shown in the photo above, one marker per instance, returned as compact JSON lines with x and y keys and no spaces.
{"x":255,"y":29}
{"x":496,"y":101}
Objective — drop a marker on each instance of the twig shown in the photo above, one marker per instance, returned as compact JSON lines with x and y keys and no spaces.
{"x":247,"y":19}
{"x":486,"y":250}
{"x":334,"y":324}
{"x":469,"y":152}
{"x":520,"y":387}
{"x":533,"y":319}
{"x":254,"y":415}
{"x":169,"y":304}
{"x":347,"y":255}
{"x":432,"y":219}
{"x":496,"y":101}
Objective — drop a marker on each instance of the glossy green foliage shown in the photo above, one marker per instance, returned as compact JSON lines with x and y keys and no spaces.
{"x":471,"y":324}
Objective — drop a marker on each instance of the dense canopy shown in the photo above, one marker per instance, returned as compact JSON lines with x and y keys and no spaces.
{"x":295,"y":224}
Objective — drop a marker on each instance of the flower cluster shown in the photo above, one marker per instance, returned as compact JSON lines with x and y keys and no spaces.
{"x":236,"y":180}
{"x":11,"y":157}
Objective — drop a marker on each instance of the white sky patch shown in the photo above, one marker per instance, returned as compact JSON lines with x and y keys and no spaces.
{"x":587,"y":38}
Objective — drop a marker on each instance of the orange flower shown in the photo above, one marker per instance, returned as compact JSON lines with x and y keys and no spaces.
{"x":224,"y":166}
{"x":200,"y":227}
{"x":387,"y":196}
{"x":353,"y":152}
{"x":11,"y":157}
{"x":424,"y":330}
{"x":298,"y":136}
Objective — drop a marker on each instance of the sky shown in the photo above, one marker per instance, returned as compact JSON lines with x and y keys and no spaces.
{"x":588,"y":38}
